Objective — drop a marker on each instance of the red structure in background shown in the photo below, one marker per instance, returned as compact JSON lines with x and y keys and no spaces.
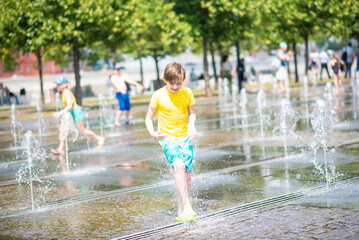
{"x":28,"y":66}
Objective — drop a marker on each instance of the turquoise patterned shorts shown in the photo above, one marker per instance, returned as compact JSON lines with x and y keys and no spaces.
{"x":77,"y":114}
{"x":178,"y":148}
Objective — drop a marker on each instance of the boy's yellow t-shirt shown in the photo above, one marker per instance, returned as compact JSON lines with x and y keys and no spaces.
{"x":172,"y":110}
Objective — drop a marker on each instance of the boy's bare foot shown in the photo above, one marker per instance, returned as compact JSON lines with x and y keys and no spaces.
{"x":100,"y":142}
{"x":117,"y":124}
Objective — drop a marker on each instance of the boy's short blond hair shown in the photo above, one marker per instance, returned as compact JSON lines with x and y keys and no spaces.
{"x":174,"y":72}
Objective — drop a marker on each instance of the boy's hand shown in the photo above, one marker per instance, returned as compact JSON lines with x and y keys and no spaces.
{"x":158,"y":135}
{"x":56,"y":115}
{"x":192,"y":132}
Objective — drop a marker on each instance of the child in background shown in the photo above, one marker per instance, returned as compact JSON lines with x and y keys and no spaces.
{"x":71,"y":106}
{"x":122,"y":95}
{"x":176,"y":123}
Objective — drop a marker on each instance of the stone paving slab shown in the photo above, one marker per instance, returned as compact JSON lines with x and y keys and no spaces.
{"x":283,"y":222}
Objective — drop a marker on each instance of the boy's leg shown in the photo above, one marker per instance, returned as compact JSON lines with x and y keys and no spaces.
{"x":121,"y":104}
{"x":61,"y":148}
{"x":127,"y":116}
{"x":127,"y":108}
{"x":117,"y":120}
{"x":81,"y":127}
{"x":181,"y":185}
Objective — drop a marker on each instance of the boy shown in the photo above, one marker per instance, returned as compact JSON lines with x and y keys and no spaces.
{"x":122,"y":95}
{"x":71,"y":106}
{"x":172,"y":103}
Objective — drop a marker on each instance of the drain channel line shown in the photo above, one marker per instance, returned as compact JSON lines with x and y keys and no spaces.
{"x":261,"y":204}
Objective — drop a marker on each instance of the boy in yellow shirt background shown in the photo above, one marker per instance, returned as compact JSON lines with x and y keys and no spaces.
{"x":174,"y":105}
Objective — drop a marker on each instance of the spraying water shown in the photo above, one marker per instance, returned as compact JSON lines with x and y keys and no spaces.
{"x":106,"y":113}
{"x":41,"y":120}
{"x":262,"y":103}
{"x":15,"y":126}
{"x":58,"y":105}
{"x":305,"y":89}
{"x":330,"y":98}
{"x":33,"y":169}
{"x":226,"y":94}
{"x":234,"y":102}
{"x":288,"y":121}
{"x":67,"y":127}
{"x":322,"y":125}
{"x":220,"y":89}
{"x":243,"y":105}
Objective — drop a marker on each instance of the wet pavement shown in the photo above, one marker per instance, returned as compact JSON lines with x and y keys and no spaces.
{"x":127,"y":186}
{"x":330,"y":215}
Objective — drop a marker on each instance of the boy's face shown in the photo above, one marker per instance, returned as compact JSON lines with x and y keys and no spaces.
{"x":173,"y":87}
{"x":60,"y":87}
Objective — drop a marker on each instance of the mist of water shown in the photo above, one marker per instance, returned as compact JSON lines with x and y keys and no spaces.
{"x":68,"y":131}
{"x":15,"y":126}
{"x":261,"y":105}
{"x":41,"y":120}
{"x":322,"y":124}
{"x":31,"y":171}
{"x":288,"y":122}
{"x":243,"y":105}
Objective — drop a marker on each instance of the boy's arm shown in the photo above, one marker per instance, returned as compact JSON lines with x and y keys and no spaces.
{"x":68,"y":105}
{"x":134,"y":83}
{"x":149,"y":124}
{"x":191,"y":129}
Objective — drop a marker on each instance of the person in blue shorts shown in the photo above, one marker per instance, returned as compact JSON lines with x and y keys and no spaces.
{"x":174,"y":105}
{"x":122,"y":95}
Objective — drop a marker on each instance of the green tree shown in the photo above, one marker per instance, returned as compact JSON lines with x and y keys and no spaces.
{"x":76,"y":24}
{"x":158,"y":31}
{"x":304,"y":19}
{"x":344,"y":21}
{"x":215,"y":22}
{"x":23,"y":28}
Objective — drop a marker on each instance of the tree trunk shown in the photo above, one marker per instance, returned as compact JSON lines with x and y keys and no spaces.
{"x":113,"y":57}
{"x":213,"y":63}
{"x":141,"y":66}
{"x":39,"y":61}
{"x":205,"y":68}
{"x":157,"y":70}
{"x":306,"y":55}
{"x":295,"y":61}
{"x":76,"y":56}
{"x":240,"y":68}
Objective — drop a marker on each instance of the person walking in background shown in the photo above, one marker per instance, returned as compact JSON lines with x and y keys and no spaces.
{"x":348,"y":59}
{"x":174,"y":105}
{"x":227,"y":70}
{"x":282,"y":74}
{"x":335,"y":64}
{"x":314,"y":63}
{"x":122,"y":95}
{"x":71,"y":106}
{"x":324,"y":59}
{"x":10,"y":95}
